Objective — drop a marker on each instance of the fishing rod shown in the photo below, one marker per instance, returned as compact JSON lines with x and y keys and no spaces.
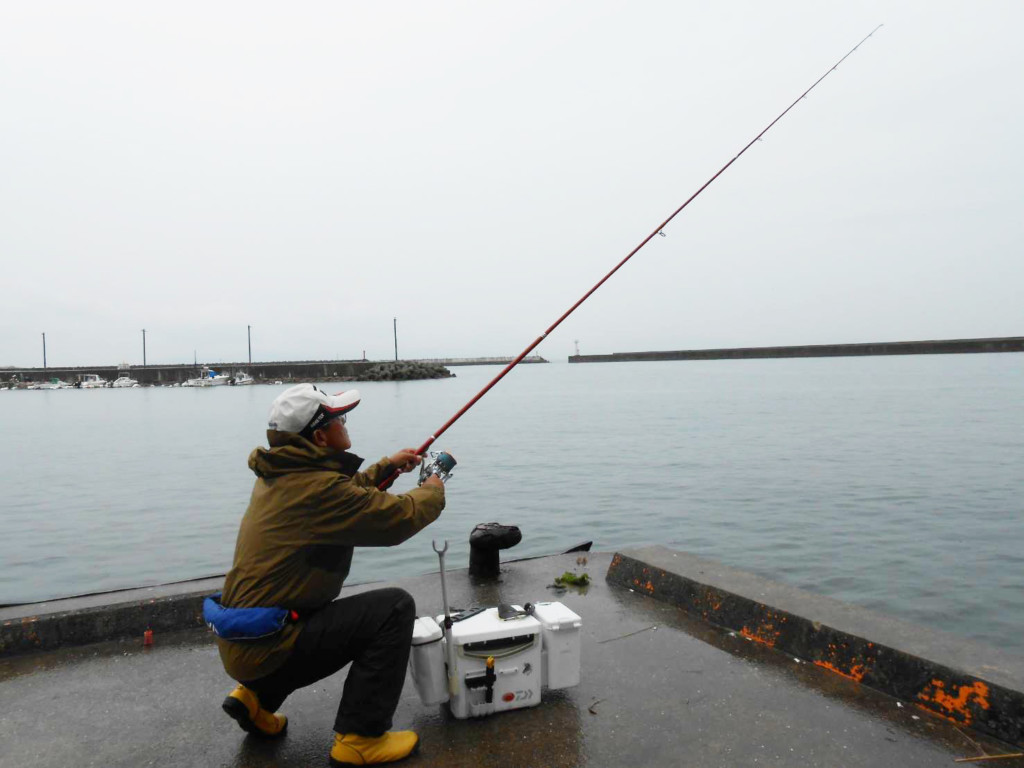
{"x":444,"y":460}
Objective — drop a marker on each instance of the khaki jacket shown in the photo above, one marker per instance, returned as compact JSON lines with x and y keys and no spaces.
{"x":310,"y":506}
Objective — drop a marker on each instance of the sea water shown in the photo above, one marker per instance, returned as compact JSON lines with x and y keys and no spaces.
{"x":891,"y":482}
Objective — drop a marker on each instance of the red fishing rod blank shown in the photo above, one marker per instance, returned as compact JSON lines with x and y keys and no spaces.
{"x":657,"y":230}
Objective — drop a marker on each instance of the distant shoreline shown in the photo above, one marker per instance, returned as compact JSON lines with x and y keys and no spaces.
{"x":935,"y":347}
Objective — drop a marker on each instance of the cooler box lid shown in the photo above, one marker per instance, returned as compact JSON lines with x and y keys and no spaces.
{"x":425,"y":630}
{"x":556,"y":616}
{"x":487,"y":626}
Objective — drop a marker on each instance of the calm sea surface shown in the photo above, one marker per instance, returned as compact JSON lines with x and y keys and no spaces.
{"x":896,"y":483}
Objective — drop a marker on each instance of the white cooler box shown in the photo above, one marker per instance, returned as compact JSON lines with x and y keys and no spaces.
{"x":528,"y":651}
{"x":560,"y":653}
{"x":515,"y":645}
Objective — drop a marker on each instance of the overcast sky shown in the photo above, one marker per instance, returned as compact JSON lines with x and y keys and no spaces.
{"x":317,"y":169}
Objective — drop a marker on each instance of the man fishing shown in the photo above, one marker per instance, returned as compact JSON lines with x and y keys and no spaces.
{"x":277,"y":627}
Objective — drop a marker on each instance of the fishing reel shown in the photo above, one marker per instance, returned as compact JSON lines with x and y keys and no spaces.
{"x":438,"y":463}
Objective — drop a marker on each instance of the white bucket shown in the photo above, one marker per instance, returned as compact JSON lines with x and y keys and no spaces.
{"x":426,"y":660}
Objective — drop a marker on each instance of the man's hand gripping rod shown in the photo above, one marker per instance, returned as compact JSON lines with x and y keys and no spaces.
{"x":657,"y":230}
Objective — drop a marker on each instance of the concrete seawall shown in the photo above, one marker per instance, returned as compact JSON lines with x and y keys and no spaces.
{"x":175,"y":374}
{"x":294,"y":370}
{"x":449,"y":361}
{"x":960,"y":681}
{"x":936,"y":347}
{"x":659,"y":686}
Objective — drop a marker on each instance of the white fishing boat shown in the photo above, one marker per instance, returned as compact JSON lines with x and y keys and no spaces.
{"x":92,"y":381}
{"x":53,"y":384}
{"x":241,"y":378}
{"x":210,"y":378}
{"x":124,"y":381}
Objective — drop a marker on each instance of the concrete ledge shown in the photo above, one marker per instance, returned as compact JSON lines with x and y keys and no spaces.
{"x":106,"y":616}
{"x":114,"y":615}
{"x":961,"y":681}
{"x":964,"y":682}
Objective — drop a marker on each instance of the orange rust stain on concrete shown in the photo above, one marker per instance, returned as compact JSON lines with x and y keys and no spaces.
{"x":956,"y":708}
{"x":764,"y":634}
{"x":840,"y":660}
{"x":855,"y":673}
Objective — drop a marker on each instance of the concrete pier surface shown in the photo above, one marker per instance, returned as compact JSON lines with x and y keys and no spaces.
{"x":660,"y":686}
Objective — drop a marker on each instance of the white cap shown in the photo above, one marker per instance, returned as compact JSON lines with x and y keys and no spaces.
{"x":304,"y":408}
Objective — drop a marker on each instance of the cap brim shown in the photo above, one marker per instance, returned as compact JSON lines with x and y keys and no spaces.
{"x":342,"y":402}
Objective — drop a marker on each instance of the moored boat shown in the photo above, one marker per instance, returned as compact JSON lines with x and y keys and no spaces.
{"x":91,"y":381}
{"x":51,"y":384}
{"x":209,"y":378}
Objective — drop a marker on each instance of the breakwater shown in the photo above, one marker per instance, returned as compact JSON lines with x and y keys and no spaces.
{"x":936,"y":347}
{"x":448,"y":361}
{"x":289,"y":371}
{"x":269,"y":372}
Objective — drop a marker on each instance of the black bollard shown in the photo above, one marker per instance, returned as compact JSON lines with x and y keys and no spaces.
{"x":486,"y":540}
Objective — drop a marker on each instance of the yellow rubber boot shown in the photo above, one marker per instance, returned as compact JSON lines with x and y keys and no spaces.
{"x":350,"y":749}
{"x":244,"y":707}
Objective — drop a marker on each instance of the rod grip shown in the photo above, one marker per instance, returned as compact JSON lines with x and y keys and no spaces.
{"x":387,"y":481}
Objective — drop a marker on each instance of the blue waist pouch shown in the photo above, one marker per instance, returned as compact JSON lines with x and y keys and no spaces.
{"x":242,"y":623}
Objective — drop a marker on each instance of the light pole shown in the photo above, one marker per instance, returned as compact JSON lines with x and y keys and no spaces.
{"x":44,"y":351}
{"x":396,"y":339}
{"x":143,"y":347}
{"x":248,"y":328}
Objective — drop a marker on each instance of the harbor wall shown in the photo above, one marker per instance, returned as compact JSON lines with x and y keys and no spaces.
{"x":176,"y":374}
{"x":450,"y":361}
{"x":295,"y":370}
{"x":934,"y":347}
{"x":959,"y":680}
{"x":964,"y":682}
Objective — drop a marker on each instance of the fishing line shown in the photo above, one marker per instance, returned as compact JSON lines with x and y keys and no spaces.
{"x":657,"y":231}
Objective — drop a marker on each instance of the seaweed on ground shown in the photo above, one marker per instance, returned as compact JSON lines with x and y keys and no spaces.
{"x":570,"y":579}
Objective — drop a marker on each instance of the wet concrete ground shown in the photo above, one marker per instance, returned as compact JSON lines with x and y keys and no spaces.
{"x":658,"y":688}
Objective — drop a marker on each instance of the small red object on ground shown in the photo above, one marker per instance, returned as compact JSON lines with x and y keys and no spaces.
{"x":147,"y":638}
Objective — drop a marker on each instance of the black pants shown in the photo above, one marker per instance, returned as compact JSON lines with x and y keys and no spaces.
{"x":372,"y":630}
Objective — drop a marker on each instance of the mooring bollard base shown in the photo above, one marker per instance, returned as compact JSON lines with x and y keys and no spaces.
{"x":486,"y":540}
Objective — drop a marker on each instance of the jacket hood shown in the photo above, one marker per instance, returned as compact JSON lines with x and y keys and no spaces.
{"x":290,"y":452}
